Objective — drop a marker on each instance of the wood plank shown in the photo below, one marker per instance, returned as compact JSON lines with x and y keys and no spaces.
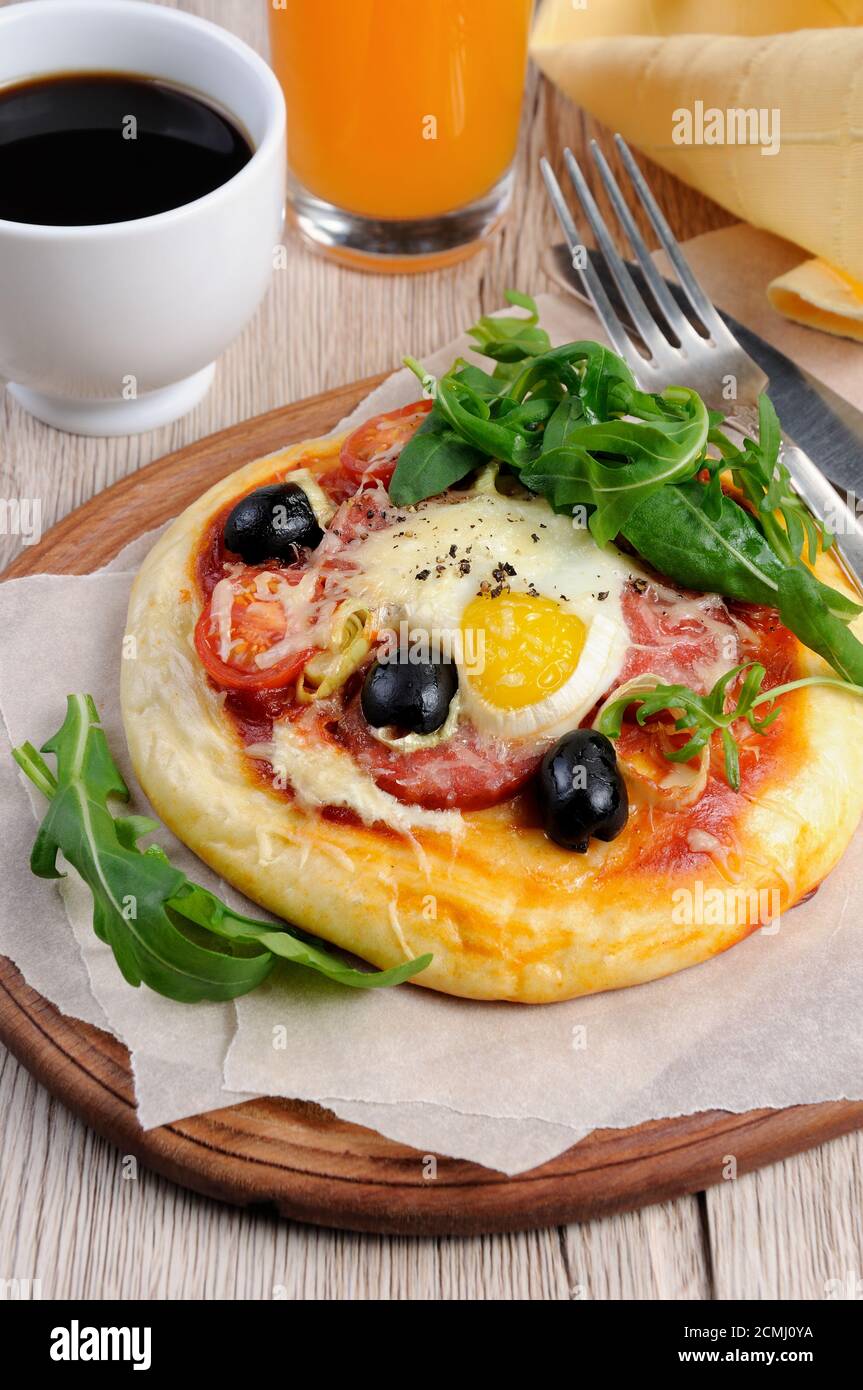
{"x":793,"y":1230}
{"x":657,"y":1253}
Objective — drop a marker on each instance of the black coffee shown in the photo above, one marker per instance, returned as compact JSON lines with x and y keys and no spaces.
{"x":91,"y":147}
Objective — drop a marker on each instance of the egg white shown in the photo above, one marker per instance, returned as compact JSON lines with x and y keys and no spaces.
{"x":426,"y":567}
{"x":598,"y":666}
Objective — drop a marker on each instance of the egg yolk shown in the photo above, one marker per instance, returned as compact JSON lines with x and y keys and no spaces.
{"x":519,"y":649}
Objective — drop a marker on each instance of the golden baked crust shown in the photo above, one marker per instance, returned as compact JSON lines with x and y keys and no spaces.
{"x":505,"y":913}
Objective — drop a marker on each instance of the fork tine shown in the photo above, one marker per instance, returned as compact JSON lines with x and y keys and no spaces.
{"x":638,"y":311}
{"x":593,"y":287}
{"x":677,"y":320}
{"x":697,"y":298}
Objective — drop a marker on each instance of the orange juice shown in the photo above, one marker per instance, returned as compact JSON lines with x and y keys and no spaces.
{"x":400,"y":108}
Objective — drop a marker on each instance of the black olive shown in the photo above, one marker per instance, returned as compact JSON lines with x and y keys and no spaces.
{"x":271,"y":523}
{"x":411,"y":695}
{"x":581,"y":790}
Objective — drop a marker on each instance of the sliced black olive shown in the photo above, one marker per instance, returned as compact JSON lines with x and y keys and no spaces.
{"x":271,"y":523}
{"x":411,"y":695}
{"x":581,"y":790}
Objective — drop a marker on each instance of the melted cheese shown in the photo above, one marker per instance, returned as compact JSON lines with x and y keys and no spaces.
{"x":221,"y":608}
{"x":322,"y":775}
{"x":431,"y":564}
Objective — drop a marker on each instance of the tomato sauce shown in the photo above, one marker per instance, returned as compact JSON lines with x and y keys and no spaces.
{"x":211,"y":557}
{"x":764,"y":638}
{"x":661,"y":838}
{"x":253,"y":712}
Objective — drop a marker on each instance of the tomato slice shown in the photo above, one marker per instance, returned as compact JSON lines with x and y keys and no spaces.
{"x":372,"y":451}
{"x":258,"y":622}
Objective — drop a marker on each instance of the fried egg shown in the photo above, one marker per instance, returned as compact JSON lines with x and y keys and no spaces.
{"x":523,"y":601}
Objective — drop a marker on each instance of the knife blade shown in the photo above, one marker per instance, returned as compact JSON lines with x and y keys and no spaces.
{"x":825,"y":426}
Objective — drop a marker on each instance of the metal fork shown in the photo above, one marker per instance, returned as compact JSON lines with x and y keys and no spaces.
{"x":708,"y":363}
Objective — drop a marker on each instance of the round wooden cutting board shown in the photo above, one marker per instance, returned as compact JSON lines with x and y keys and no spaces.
{"x":296,"y":1156}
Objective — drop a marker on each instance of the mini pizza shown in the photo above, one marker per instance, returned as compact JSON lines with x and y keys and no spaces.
{"x":427,"y":726}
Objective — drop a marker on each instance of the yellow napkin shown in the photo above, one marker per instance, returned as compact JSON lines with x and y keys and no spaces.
{"x":662,"y":73}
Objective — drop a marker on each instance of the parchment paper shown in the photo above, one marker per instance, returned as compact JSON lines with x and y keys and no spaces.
{"x":773,"y":1022}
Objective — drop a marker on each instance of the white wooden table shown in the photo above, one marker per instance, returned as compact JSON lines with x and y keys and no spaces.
{"x":67,"y":1215}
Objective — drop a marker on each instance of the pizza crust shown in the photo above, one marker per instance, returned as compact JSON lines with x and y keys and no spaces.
{"x":505,"y":913}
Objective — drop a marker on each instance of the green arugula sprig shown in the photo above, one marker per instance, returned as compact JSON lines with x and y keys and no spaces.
{"x":765,"y":482}
{"x":571,"y":423}
{"x":705,"y":715}
{"x":508,"y":340}
{"x":598,"y":459}
{"x":147,"y":911}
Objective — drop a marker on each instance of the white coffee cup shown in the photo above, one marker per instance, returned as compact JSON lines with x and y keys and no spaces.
{"x":114,"y":328}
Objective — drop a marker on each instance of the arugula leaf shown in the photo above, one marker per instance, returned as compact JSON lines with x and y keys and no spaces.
{"x":766,"y":483}
{"x":594,"y":373}
{"x":434,"y":459}
{"x":720,"y":550}
{"x":704,"y":715}
{"x":208,"y":911}
{"x":476,"y":380}
{"x":656,"y":453}
{"x":568,"y":413}
{"x":591,"y":456}
{"x":509,"y":340}
{"x":803,"y":609}
{"x":473,"y":416}
{"x":140,"y":901}
{"x":705,"y":540}
{"x":130,"y":889}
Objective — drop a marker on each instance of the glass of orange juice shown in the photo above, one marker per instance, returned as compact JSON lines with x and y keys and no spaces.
{"x":403,"y":119}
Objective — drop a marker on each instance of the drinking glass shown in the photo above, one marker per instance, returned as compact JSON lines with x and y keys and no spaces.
{"x":403,"y":120}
